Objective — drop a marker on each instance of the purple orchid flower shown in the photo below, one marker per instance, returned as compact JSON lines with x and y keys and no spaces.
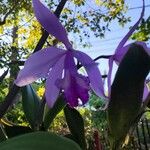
{"x":121,"y":50}
{"x":58,"y":65}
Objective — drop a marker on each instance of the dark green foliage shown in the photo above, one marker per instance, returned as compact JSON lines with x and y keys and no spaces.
{"x":52,"y":112}
{"x":31,"y":105}
{"x":127,"y":93}
{"x":3,"y":136}
{"x":15,"y":130}
{"x":39,"y":141}
{"x":76,"y":125}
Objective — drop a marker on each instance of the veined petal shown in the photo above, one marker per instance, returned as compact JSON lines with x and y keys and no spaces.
{"x":124,"y":40}
{"x":38,"y":65}
{"x":50,"y":22}
{"x":73,"y":90}
{"x":84,"y":95}
{"x":68,"y":84}
{"x":52,"y":91}
{"x":75,"y":85}
{"x":92,"y":71}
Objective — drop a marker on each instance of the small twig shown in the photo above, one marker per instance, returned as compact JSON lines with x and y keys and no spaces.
{"x":3,"y":75}
{"x":102,"y":57}
{"x":97,"y":58}
{"x":19,"y":63}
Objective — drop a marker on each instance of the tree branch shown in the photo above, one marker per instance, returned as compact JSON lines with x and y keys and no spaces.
{"x":7,"y":14}
{"x":20,"y":63}
{"x":102,"y":57}
{"x":3,"y":75}
{"x":8,"y":100}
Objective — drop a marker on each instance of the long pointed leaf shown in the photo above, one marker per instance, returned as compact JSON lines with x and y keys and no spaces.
{"x":31,"y":105}
{"x":127,"y":93}
{"x":76,"y":125}
{"x":52,"y":112}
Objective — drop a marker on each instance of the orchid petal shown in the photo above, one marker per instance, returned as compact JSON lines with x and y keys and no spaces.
{"x":50,"y":22}
{"x":38,"y":65}
{"x":75,"y":85}
{"x":92,"y":71}
{"x":109,"y":75}
{"x":124,"y":40}
{"x":69,"y":63}
{"x":69,"y":86}
{"x":74,"y":90}
{"x":52,"y":91}
{"x":83,"y":95}
{"x":146,"y":92}
{"x":120,"y":54}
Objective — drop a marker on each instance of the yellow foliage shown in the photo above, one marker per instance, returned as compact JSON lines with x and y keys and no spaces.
{"x":1,"y":29}
{"x":78,"y":2}
{"x":22,"y":31}
{"x":98,"y":2}
{"x":40,"y":91}
{"x":82,"y":19}
{"x":61,"y":113}
{"x":66,"y":11}
{"x":33,"y":35}
{"x":8,"y":23}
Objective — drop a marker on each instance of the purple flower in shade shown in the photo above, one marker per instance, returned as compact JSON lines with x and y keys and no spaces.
{"x":121,"y":50}
{"x":58,"y":66}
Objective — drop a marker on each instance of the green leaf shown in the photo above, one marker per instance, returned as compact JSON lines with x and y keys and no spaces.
{"x":52,"y":112}
{"x":31,"y":105}
{"x":70,"y":136}
{"x":76,"y":125}
{"x":127,"y":93}
{"x":39,"y":141}
{"x":15,"y":130}
{"x":3,"y":136}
